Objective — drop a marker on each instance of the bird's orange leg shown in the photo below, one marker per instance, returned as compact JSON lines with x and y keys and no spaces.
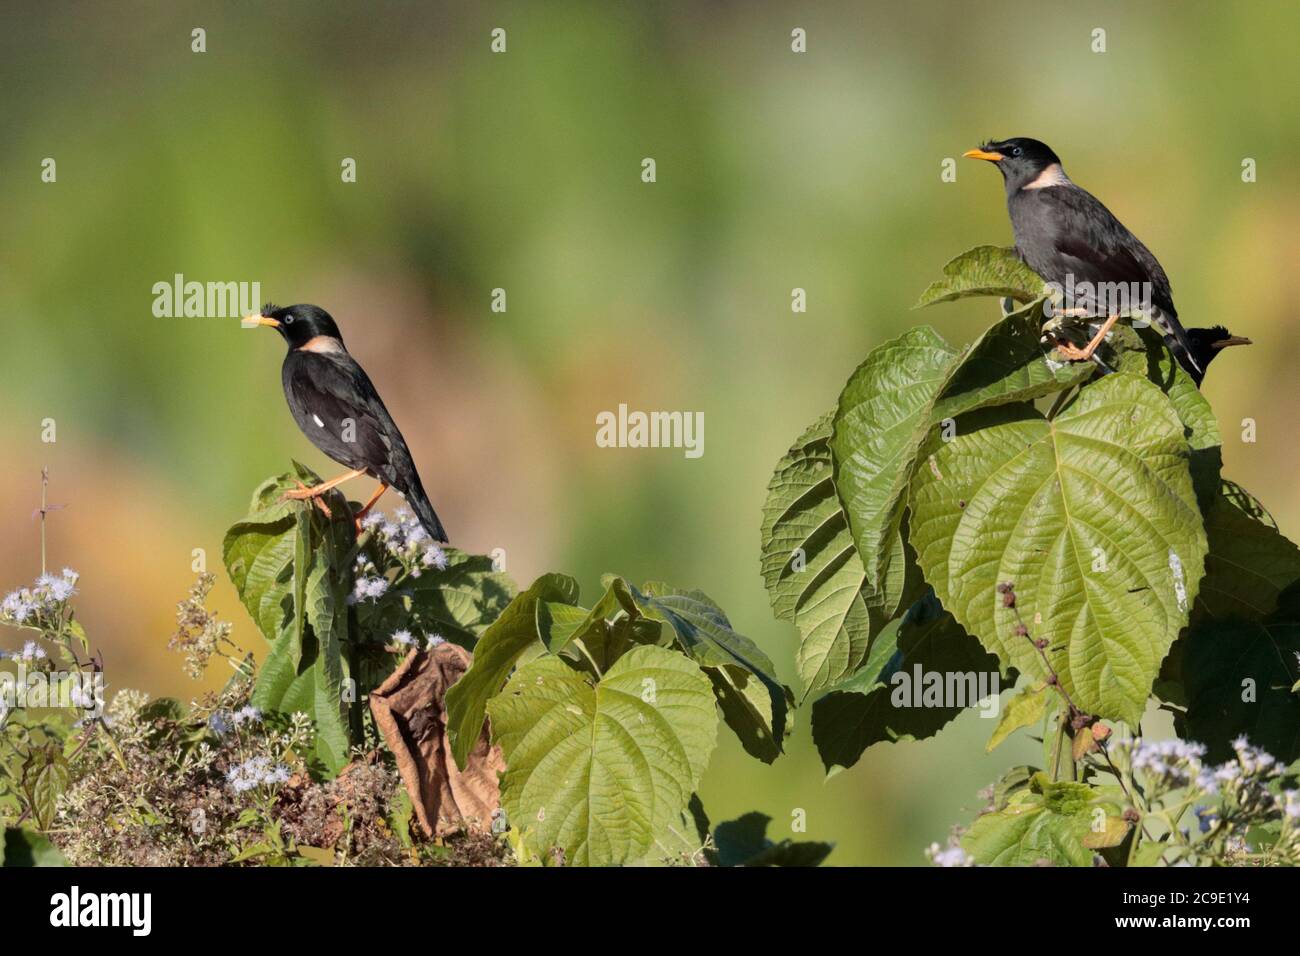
{"x":303,"y":493}
{"x":369,"y":504}
{"x":1077,"y":354}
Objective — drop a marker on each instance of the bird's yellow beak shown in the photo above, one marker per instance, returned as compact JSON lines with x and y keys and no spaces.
{"x":250,"y":321}
{"x":1232,"y":340}
{"x":982,"y":154}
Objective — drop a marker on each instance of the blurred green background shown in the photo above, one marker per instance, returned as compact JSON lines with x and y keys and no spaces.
{"x":521,"y":171}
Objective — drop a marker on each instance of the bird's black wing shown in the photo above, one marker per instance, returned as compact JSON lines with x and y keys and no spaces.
{"x":336,"y":405}
{"x":1086,"y":240}
{"x":1070,"y":232}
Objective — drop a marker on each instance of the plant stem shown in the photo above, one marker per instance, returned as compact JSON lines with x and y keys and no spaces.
{"x":1059,"y":403}
{"x":45,"y":486}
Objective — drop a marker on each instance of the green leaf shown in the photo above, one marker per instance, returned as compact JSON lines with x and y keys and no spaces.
{"x":1056,"y":823}
{"x":685,"y":842}
{"x":559,"y":623}
{"x":1010,"y":783}
{"x":1008,"y":363}
{"x":457,"y":603}
{"x":599,"y":770}
{"x":1026,"y":708}
{"x":313,"y":686}
{"x":757,"y":711}
{"x":754,"y":703}
{"x":23,"y":847}
{"x":494,"y":655}
{"x":744,"y":842}
{"x":1199,"y":423}
{"x":1015,"y":498}
{"x":985,"y":270}
{"x":1249,"y":562}
{"x":563,"y":626}
{"x":259,"y":559}
{"x":302,"y":563}
{"x":886,"y":700}
{"x":883,"y":416}
{"x":811,"y":568}
{"x":45,"y":777}
{"x":259,"y":551}
{"x":289,"y":565}
{"x":1239,"y":677}
{"x":904,"y":389}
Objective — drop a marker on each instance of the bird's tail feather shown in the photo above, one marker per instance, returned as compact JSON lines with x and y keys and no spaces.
{"x":1182,"y":350}
{"x":419,"y":502}
{"x":1179,"y":344}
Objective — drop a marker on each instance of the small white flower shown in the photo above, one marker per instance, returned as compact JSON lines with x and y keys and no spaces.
{"x":949,"y":856}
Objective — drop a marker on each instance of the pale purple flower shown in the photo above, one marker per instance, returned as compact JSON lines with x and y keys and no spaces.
{"x":1292,"y":805}
{"x":1253,"y":759}
{"x":220,"y":723}
{"x":254,"y":772}
{"x":1176,"y":761}
{"x":369,"y":587}
{"x":949,"y":856}
{"x":32,"y":652}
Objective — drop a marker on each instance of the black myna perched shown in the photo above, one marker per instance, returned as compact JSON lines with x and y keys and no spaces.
{"x":335,"y":404}
{"x":1070,"y":239}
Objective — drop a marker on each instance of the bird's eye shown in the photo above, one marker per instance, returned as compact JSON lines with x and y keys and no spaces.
{"x":1015,"y":150}
{"x":288,"y":320}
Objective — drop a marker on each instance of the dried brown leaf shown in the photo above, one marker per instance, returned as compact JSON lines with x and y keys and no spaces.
{"x":410,"y":711}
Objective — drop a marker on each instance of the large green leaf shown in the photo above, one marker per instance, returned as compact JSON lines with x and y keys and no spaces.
{"x":288,"y":563}
{"x":907,"y":387}
{"x":1015,"y":498}
{"x":985,"y":270}
{"x":1249,"y":563}
{"x":259,"y":558}
{"x":1201,"y":428}
{"x":1239,"y":677}
{"x":305,"y":670}
{"x":883,"y":415}
{"x":1008,"y":363}
{"x":313,"y":686}
{"x":1056,"y":823}
{"x":600,"y":769}
{"x":494,"y":655}
{"x":811,"y":568}
{"x":260,"y":551}
{"x":754,"y":703}
{"x":877,"y":703}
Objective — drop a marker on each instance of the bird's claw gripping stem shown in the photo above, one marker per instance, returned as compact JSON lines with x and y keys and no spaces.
{"x":303,"y":493}
{"x":1076,"y":354}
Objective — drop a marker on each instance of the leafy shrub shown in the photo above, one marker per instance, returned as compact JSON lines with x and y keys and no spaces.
{"x":604,"y":718}
{"x":994,"y":513}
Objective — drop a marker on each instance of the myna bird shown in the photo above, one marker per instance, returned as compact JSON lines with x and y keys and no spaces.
{"x":1068,"y":237}
{"x":335,"y":404}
